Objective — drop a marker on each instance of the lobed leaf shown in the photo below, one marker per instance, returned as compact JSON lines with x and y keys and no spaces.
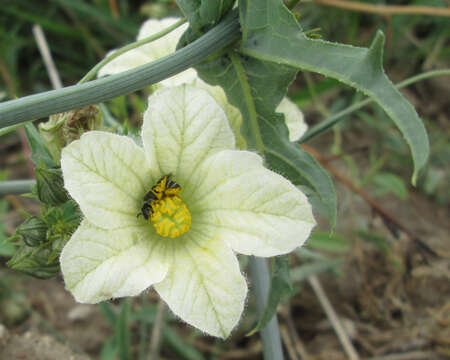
{"x":272,"y":33}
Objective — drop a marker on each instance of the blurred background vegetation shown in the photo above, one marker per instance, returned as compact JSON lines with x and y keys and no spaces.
{"x":385,"y":269}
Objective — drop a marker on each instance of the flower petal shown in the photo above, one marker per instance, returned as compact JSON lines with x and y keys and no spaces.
{"x":108,"y":176}
{"x":100,"y":264}
{"x":188,"y":77}
{"x":233,"y":113}
{"x":256,"y":211}
{"x":204,"y":287}
{"x":124,"y":62}
{"x":182,"y":126}
{"x":294,"y":119}
{"x":149,"y":52}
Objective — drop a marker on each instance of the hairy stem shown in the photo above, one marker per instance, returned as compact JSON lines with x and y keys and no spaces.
{"x":93,"y":92}
{"x":270,"y":334}
{"x":93,"y":72}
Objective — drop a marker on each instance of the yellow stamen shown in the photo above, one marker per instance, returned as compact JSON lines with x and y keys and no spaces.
{"x":170,"y":217}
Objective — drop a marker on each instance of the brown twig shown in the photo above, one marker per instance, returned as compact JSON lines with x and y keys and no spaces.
{"x":157,"y":331}
{"x":386,"y":10}
{"x":46,"y":55}
{"x":288,"y":343}
{"x":298,"y":343}
{"x":9,"y":84}
{"x":114,"y":8}
{"x":333,"y":318}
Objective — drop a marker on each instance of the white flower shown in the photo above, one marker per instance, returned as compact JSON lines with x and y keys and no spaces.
{"x":235,"y":205}
{"x":167,"y":45}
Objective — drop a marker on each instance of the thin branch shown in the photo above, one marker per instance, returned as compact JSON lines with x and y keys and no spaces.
{"x":91,"y":74}
{"x":332,"y":316}
{"x":386,"y":10}
{"x":93,"y":92}
{"x":44,"y":49}
{"x":298,"y":343}
{"x":288,"y":343}
{"x":157,"y":331}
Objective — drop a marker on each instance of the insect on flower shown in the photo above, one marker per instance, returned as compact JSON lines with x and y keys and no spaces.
{"x":227,"y":202}
{"x":165,"y":209}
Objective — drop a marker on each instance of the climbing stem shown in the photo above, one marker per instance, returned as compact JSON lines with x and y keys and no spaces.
{"x":270,"y":334}
{"x":93,"y":72}
{"x":93,"y":92}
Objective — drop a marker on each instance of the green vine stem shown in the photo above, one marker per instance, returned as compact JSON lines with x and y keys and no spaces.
{"x":270,"y":334}
{"x":77,"y":96}
{"x":24,"y":186}
{"x":16,"y":187}
{"x":93,"y":72}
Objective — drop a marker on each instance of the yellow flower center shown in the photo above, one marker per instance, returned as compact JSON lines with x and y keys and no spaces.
{"x":170,"y":216}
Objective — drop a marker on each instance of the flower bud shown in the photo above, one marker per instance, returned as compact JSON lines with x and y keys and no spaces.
{"x":35,"y":262}
{"x":50,"y":186}
{"x":61,"y":129}
{"x":33,"y":231}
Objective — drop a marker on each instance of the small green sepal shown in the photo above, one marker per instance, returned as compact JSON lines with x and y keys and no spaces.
{"x":33,"y":231}
{"x":50,"y":186}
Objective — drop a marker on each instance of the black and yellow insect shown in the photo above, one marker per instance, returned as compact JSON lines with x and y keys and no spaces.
{"x":165,"y":209}
{"x":163,"y":188}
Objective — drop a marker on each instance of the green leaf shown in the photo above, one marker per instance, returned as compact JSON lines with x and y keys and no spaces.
{"x":6,"y":248}
{"x":331,"y":243}
{"x":202,"y":14}
{"x":182,"y":348}
{"x":109,"y":349}
{"x":122,"y":332}
{"x":256,"y":87}
{"x":302,"y":272}
{"x":110,"y":315}
{"x":387,"y":183}
{"x":280,"y":288}
{"x":272,"y":33}
{"x":379,"y":241}
{"x":39,"y":152}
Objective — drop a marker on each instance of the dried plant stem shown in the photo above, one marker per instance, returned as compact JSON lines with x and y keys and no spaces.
{"x":44,"y":49}
{"x":332,"y":316}
{"x":288,"y":343}
{"x":298,"y":343}
{"x":155,"y":342}
{"x":93,"y":72}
